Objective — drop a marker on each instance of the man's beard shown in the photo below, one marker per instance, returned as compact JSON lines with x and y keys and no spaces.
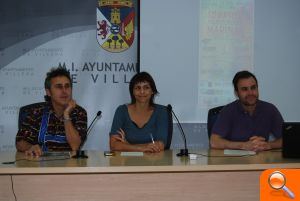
{"x":246,"y":103}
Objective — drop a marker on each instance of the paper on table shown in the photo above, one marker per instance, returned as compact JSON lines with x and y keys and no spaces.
{"x":132,"y":154}
{"x":235,"y":152}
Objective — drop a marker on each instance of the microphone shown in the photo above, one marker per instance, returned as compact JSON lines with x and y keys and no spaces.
{"x":90,"y":127}
{"x":80,"y":153}
{"x":185,"y":151}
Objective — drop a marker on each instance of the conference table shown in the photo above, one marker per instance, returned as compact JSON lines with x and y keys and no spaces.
{"x":125,"y":176}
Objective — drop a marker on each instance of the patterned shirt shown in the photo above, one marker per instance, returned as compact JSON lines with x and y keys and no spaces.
{"x":30,"y":126}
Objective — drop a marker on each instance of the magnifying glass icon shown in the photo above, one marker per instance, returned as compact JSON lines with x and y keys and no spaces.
{"x":277,"y":181}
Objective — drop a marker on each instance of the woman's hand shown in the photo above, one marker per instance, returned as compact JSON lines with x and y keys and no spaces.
{"x":155,"y":147}
{"x":121,"y":136}
{"x":118,"y":143}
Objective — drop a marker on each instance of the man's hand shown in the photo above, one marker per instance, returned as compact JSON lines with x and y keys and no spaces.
{"x":71,"y":105}
{"x":34,"y":150}
{"x":256,"y":143}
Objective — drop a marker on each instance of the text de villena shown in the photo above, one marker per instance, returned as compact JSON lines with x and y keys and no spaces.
{"x":106,"y":72}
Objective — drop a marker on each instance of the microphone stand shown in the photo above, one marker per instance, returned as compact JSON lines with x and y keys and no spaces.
{"x":185,"y":151}
{"x":81,"y":153}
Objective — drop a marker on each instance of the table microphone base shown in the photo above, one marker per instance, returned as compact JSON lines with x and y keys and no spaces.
{"x":80,"y":154}
{"x":183,"y":152}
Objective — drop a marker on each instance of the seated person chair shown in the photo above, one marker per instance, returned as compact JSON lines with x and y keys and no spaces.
{"x":211,"y":118}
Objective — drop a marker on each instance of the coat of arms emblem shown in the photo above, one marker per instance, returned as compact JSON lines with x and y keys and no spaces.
{"x":115,"y":24}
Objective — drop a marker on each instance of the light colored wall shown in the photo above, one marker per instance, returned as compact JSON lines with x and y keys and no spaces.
{"x":169,"y":51}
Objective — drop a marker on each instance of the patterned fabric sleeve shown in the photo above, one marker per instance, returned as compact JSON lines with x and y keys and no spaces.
{"x":79,"y":119}
{"x":29,"y":127}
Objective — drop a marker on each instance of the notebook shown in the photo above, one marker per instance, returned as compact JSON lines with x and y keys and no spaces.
{"x":291,"y":140}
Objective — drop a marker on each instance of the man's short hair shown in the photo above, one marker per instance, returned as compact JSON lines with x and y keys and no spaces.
{"x":56,"y":72}
{"x":242,"y":75}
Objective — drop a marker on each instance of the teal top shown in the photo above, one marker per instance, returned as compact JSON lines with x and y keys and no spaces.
{"x":157,"y":126}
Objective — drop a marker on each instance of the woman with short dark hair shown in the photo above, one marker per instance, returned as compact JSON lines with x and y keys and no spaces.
{"x":141,"y":125}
